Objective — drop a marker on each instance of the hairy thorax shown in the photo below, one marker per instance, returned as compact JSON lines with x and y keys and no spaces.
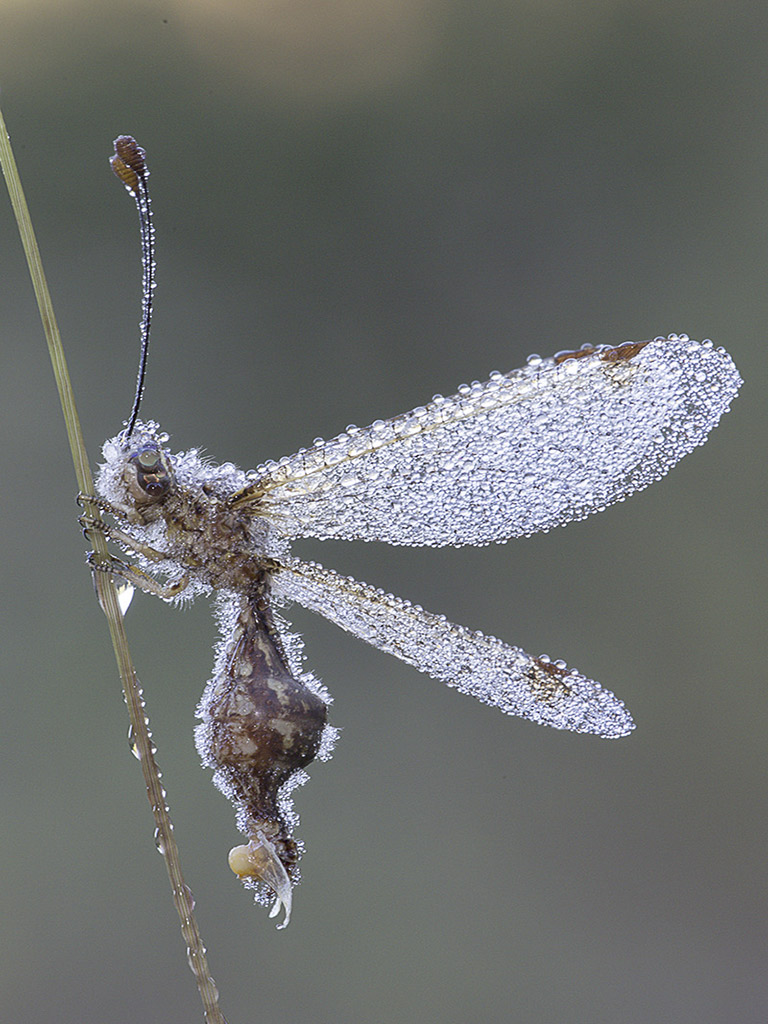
{"x":179,"y":516}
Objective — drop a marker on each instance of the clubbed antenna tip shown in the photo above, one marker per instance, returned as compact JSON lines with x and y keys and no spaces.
{"x":129,"y":162}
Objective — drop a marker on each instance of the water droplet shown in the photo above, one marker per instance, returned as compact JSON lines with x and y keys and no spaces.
{"x":133,"y":746}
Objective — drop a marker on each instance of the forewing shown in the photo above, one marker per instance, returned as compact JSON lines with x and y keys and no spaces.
{"x":525,"y":451}
{"x":481,"y":666}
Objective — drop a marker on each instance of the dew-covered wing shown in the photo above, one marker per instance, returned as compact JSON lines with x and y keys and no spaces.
{"x":481,"y":666}
{"x":523,"y":452}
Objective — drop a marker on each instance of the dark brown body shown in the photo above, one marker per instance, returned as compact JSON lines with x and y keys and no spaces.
{"x":262,"y":721}
{"x":261,"y":725}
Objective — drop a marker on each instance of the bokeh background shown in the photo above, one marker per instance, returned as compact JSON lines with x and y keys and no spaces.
{"x":359,"y":204}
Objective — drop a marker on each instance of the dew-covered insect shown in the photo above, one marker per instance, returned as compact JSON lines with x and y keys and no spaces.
{"x":519,"y":453}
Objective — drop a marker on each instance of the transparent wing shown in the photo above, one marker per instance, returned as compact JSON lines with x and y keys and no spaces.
{"x":525,"y":451}
{"x":481,"y":666}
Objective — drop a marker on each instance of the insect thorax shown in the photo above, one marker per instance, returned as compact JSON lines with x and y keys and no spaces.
{"x":178,"y":506}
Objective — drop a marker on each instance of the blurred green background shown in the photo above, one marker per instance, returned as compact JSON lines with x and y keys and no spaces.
{"x":360,"y":204}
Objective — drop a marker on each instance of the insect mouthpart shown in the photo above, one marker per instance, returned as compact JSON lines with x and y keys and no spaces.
{"x":149,"y":476}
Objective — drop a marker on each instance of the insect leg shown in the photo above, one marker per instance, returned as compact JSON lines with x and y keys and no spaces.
{"x":121,"y":537}
{"x":108,"y":507}
{"x":137,"y":577}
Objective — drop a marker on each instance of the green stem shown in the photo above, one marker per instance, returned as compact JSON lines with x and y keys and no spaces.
{"x":107,"y":594}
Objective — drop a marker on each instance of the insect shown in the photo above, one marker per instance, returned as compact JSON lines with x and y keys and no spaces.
{"x":522,"y":452}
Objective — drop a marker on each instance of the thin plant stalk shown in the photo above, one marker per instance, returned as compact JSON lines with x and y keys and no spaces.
{"x":108,"y":597}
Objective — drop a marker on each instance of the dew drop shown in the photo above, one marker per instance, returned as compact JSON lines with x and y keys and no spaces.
{"x":132,"y":744}
{"x":159,"y":842}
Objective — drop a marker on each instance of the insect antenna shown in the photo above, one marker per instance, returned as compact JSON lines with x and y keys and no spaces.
{"x":130,"y":165}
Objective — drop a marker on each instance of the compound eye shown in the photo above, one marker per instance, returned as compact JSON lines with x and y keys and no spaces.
{"x":152,"y":478}
{"x":148,"y":461}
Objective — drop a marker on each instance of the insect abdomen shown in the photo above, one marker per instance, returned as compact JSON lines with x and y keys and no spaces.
{"x":260,"y":726}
